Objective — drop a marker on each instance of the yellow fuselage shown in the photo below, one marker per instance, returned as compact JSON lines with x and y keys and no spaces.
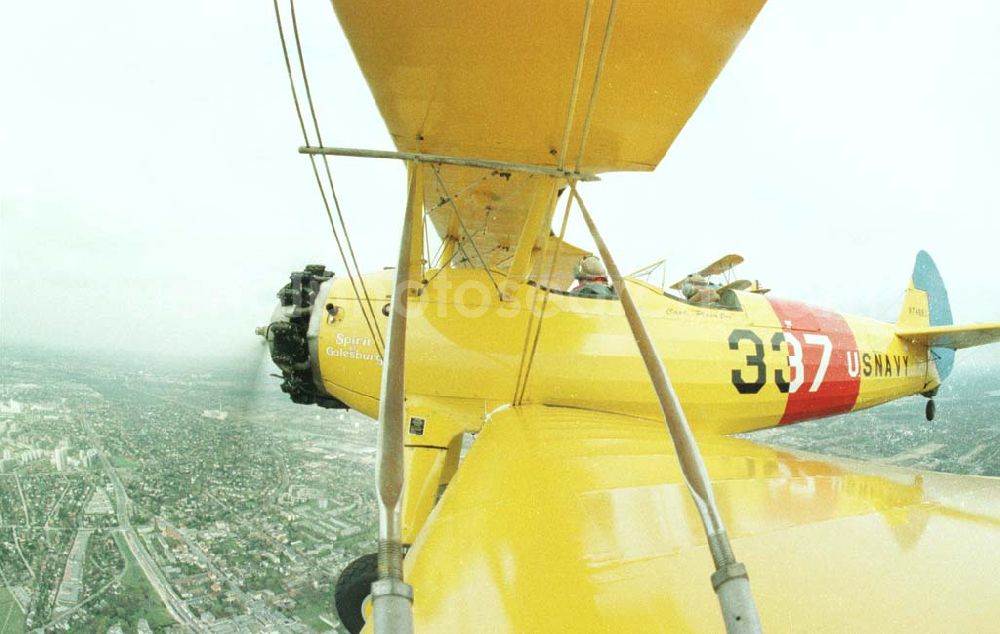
{"x":763,"y":363}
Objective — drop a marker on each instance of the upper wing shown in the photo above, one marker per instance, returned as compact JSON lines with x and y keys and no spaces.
{"x":723,"y":264}
{"x":572,"y":520}
{"x":493,"y":80}
{"x":954,"y":337}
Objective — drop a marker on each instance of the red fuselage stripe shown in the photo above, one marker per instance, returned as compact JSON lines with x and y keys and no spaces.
{"x":810,"y":334}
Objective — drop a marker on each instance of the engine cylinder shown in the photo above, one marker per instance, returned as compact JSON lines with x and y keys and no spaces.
{"x":292,"y":336}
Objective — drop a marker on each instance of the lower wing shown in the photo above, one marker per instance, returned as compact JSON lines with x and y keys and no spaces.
{"x":574,"y":520}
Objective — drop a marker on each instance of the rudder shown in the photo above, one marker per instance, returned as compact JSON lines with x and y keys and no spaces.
{"x":926,"y":304}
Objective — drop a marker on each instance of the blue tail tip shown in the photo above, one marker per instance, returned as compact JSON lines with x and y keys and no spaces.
{"x":927,"y":278}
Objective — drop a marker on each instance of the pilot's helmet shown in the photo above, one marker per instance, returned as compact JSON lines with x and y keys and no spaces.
{"x":589,"y":267}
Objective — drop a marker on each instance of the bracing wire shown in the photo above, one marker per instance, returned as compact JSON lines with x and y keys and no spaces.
{"x":457,"y":194}
{"x":436,"y":260}
{"x":319,"y":182}
{"x":543,"y":257}
{"x":608,"y":28}
{"x":524,"y":370}
{"x":446,"y":264}
{"x":329,"y":176}
{"x":437,"y":175}
{"x":427,"y":248}
{"x":531,"y":321}
{"x":446,"y":200}
{"x":545,"y":301}
{"x":575,"y":90}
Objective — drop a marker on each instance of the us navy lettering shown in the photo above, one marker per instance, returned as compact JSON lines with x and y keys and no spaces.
{"x":878,"y":364}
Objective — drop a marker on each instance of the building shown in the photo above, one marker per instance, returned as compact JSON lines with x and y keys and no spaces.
{"x":59,"y":458}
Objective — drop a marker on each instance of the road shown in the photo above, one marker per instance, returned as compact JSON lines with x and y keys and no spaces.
{"x":176,"y":606}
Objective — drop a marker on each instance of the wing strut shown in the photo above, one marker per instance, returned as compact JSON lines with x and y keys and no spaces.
{"x":439,"y":159}
{"x":392,"y":598}
{"x":730,"y":580}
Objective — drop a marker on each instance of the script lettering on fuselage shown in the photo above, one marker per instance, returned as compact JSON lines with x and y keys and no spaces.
{"x":348,"y":347}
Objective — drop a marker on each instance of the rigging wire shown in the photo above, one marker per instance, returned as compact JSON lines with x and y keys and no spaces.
{"x":545,"y":301}
{"x":437,"y":175}
{"x":563,"y":148}
{"x":602,"y":58}
{"x":319,"y":182}
{"x":531,"y":311}
{"x":575,"y":91}
{"x":443,"y":266}
{"x":447,"y":199}
{"x":609,"y":27}
{"x":329,"y":176}
{"x":459,"y":194}
{"x":427,"y":248}
{"x":438,"y":253}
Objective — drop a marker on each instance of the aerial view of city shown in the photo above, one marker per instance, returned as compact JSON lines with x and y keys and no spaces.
{"x":743,"y":163}
{"x":149,"y":496}
{"x":142,"y":499}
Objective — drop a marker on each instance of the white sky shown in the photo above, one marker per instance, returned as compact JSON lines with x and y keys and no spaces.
{"x":151,"y":198}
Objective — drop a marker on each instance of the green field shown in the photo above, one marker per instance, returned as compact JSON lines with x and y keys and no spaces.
{"x":119,"y":462}
{"x":310,"y":604}
{"x":135,"y":600}
{"x":11,"y":619}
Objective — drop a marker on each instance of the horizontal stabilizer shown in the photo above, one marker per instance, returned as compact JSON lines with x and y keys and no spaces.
{"x":954,"y":337}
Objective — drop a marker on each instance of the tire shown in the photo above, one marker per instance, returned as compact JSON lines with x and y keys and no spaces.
{"x":353,"y":585}
{"x":930,"y":409}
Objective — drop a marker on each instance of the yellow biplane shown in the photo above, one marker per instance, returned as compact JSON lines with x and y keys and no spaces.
{"x":722,"y":266}
{"x":574,"y":510}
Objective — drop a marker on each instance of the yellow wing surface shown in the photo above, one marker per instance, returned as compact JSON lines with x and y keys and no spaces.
{"x":495,"y":81}
{"x":954,"y":337}
{"x":574,"y":520}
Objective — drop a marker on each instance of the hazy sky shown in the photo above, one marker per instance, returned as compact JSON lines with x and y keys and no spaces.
{"x":151,"y":197}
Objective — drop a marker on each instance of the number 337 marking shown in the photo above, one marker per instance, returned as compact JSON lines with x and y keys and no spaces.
{"x":796,"y":365}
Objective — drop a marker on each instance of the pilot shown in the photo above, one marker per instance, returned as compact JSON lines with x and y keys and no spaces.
{"x":591,"y":279}
{"x":697,"y":290}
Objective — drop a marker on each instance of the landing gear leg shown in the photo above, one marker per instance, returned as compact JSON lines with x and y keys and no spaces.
{"x":930,"y":409}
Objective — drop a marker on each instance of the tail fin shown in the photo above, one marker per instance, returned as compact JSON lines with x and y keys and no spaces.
{"x":926,"y":304}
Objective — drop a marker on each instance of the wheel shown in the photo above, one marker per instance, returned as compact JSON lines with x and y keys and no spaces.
{"x":930,"y":409}
{"x":353,"y":585}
